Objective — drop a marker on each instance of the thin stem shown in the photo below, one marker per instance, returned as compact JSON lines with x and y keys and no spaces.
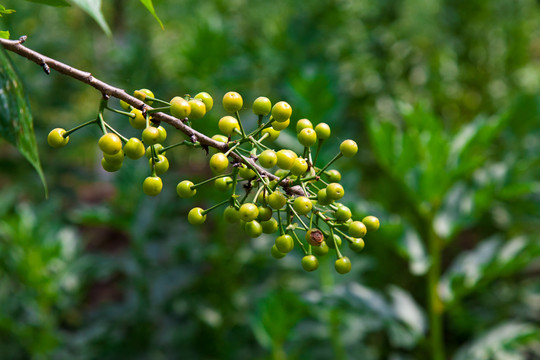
{"x":299,"y":242}
{"x":125,"y":113}
{"x":330,"y":163}
{"x":159,"y":109}
{"x":208,"y":180}
{"x":237,"y":115}
{"x":158,"y":101}
{"x":204,"y":212}
{"x":319,"y":145}
{"x":123,"y":138}
{"x":296,"y":215}
{"x":67,"y":133}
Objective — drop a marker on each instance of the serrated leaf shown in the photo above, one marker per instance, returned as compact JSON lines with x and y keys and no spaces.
{"x":57,"y":3}
{"x":150,"y":6}
{"x":16,"y":124}
{"x":93,"y":8}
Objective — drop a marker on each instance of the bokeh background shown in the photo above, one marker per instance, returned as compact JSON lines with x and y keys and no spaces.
{"x":443,"y":99}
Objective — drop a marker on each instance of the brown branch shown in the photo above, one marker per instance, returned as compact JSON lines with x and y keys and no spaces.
{"x":48,"y":63}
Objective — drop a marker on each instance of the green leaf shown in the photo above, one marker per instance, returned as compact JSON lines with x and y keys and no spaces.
{"x":148,"y":4}
{"x":4,"y":34}
{"x":4,"y":11}
{"x":57,"y":3}
{"x":16,"y":125}
{"x":93,"y":8}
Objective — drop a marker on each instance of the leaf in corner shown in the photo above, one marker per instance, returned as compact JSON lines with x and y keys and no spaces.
{"x":93,"y":8}
{"x":4,"y":34}
{"x":57,"y":3}
{"x":148,"y":4}
{"x":16,"y":125}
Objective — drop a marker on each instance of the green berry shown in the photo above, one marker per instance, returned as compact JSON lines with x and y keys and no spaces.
{"x":335,"y":191}
{"x":302,"y":205}
{"x":323,"y":198}
{"x":232,"y":102}
{"x":321,"y":250}
{"x":139,"y":121}
{"x":276,"y":253}
{"x":198,"y":109}
{"x":246,"y":173}
{"x":157,"y":149}
{"x":343,"y":265}
{"x":343,"y":213}
{"x":152,"y":185}
{"x":265,"y":213}
{"x":272,"y":134}
{"x":310,"y":263}
{"x":276,"y":200}
{"x":333,"y":176}
{"x":299,"y":167}
{"x":262,"y":106}
{"x":357,"y":229}
{"x":231,"y":215}
{"x":356,"y":244}
{"x":150,"y":135}
{"x":161,"y":165}
{"x":142,"y":94}
{"x":323,"y":131}
{"x":196,"y":216}
{"x":281,"y":125}
{"x":219,"y":163}
{"x":269,"y":226}
{"x":134,"y":148}
{"x":110,"y":143}
{"x":180,"y":107}
{"x":253,"y":229}
{"x":348,"y":148}
{"x":184,"y":190}
{"x":268,"y":159}
{"x":56,"y":138}
{"x":248,"y":212}
{"x":372,"y":223}
{"x":220,"y":138}
{"x":227,"y":124}
{"x":110,"y":167}
{"x":162,"y":134}
{"x":124,"y":105}
{"x":281,"y":111}
{"x":307,"y":137}
{"x":285,"y":159}
{"x":285,"y":243}
{"x":114,"y":159}
{"x":223,"y":183}
{"x":331,"y":243}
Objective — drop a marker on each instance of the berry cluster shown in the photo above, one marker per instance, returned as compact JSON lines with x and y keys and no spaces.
{"x":280,"y":191}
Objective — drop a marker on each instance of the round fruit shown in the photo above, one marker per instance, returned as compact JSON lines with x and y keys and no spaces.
{"x":139,"y":121}
{"x":307,"y":137}
{"x":115,"y":159}
{"x":231,"y":215}
{"x":161,"y":165}
{"x":303,"y":124}
{"x":343,"y":265}
{"x":371,"y":222}
{"x":323,"y":131}
{"x":232,"y":102}
{"x":276,"y":253}
{"x":321,"y":250}
{"x":56,"y":138}
{"x":227,"y":124}
{"x":134,"y":148}
{"x":281,"y":111}
{"x":299,"y":167}
{"x":253,"y":229}
{"x":206,"y":99}
{"x":268,"y":159}
{"x":276,"y":200}
{"x":150,"y":135}
{"x":335,"y":191}
{"x":110,"y":143}
{"x":302,"y":205}
{"x":220,"y":138}
{"x":110,"y":167}
{"x":285,"y":159}
{"x":248,"y":212}
{"x":357,"y":229}
{"x":262,"y":106}
{"x":343,"y":213}
{"x":269,"y":226}
{"x":285,"y":243}
{"x":334,"y":175}
{"x":162,"y":134}
{"x":310,"y":263}
{"x":184,"y":190}
{"x":198,"y":109}
{"x":142,"y":94}
{"x":246,"y":173}
{"x":272,"y":134}
{"x":356,"y":244}
{"x":180,"y":107}
{"x":152,"y":185}
{"x":315,"y":237}
{"x":219,"y":163}
{"x":348,"y":148}
{"x":265,"y":213}
{"x":196,"y":216}
{"x":124,"y":105}
{"x":331,"y":243}
{"x":223,"y":183}
{"x":281,"y":125}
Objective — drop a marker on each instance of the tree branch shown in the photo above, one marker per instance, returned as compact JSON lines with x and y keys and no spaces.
{"x":48,"y":63}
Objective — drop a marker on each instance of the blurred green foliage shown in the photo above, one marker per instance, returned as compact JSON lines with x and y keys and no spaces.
{"x":442,"y":96}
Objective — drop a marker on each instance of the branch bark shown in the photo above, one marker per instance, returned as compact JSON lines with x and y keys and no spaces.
{"x":47,"y":63}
